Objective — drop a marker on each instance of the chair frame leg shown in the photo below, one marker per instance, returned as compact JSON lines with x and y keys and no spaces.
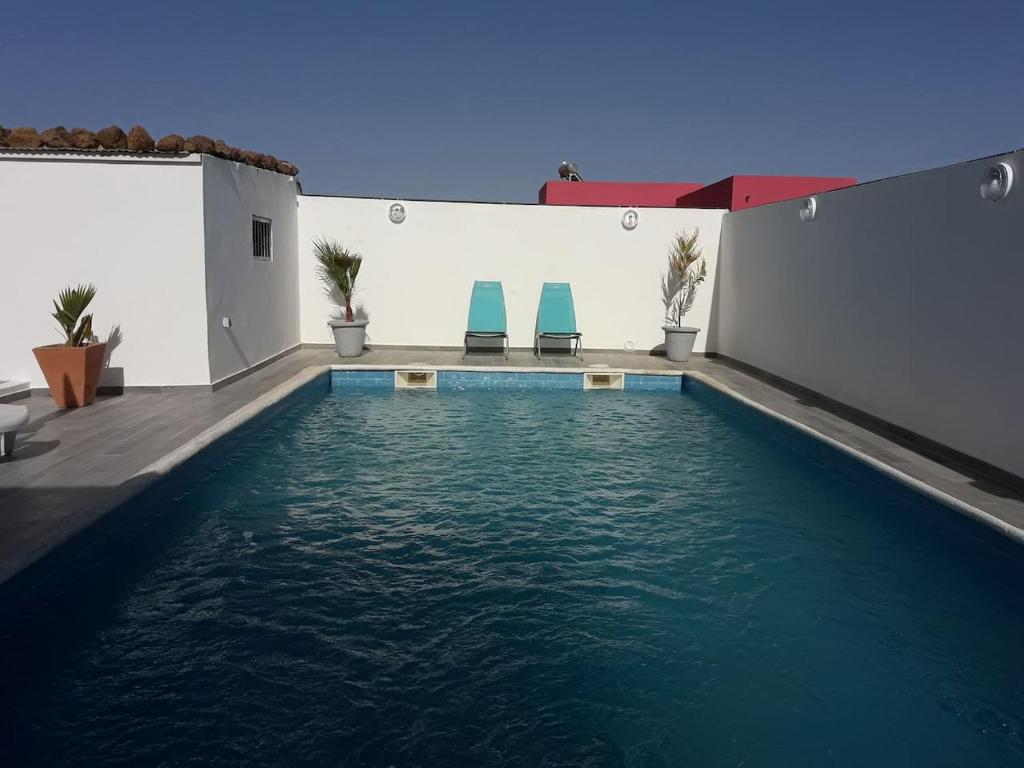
{"x":506,"y":348}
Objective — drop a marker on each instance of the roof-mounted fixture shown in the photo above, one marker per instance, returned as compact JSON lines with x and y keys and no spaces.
{"x":569,"y":171}
{"x":996,"y":182}
{"x":808,"y":209}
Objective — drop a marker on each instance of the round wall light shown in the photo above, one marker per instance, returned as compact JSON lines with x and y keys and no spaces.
{"x":996,"y":182}
{"x":808,"y":209}
{"x":630,"y":219}
{"x":396,"y":213}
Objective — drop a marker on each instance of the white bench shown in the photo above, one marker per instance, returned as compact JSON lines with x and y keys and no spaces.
{"x":12,"y":418}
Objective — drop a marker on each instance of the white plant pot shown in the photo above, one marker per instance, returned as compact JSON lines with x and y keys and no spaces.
{"x":679,"y":342}
{"x":349,"y":338}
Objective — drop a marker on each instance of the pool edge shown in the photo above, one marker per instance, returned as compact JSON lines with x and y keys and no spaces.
{"x":153,"y":472}
{"x":229,"y":423}
{"x":949,"y":500}
{"x":162,"y":466}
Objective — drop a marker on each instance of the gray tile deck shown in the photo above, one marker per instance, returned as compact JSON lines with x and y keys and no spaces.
{"x":517,"y":359}
{"x":72,"y":467}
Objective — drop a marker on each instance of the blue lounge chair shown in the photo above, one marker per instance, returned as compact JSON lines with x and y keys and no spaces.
{"x":556,"y":317}
{"x":486,"y":315}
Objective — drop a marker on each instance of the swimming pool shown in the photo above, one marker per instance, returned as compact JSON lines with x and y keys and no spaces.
{"x":375,"y":577}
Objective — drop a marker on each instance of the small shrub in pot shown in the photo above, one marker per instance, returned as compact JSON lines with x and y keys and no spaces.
{"x":338,"y":268}
{"x":72,"y":369}
{"x":686,"y":271}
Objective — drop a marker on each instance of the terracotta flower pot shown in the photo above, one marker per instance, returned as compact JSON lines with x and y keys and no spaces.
{"x":72,"y":373}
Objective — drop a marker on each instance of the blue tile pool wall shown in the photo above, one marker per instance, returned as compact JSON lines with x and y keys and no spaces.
{"x":363,"y":379}
{"x":508,"y":380}
{"x":640,"y":382}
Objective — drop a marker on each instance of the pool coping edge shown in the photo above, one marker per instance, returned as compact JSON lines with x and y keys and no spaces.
{"x":229,"y":423}
{"x":992,"y":521}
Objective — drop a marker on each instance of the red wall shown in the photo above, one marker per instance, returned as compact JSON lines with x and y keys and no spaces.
{"x":640,"y":194}
{"x":734,"y":193}
{"x":739,"y":192}
{"x":717,"y":195}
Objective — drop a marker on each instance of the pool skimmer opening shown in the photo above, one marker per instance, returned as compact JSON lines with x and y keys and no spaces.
{"x":415,"y":379}
{"x":603,"y":381}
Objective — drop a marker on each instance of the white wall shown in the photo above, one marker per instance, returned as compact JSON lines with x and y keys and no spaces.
{"x":260,"y":297}
{"x":902,"y":298}
{"x":132,"y":226}
{"x":417,"y":276}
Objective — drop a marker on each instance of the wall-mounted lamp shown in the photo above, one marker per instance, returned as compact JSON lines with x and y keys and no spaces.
{"x":808,"y":209}
{"x":996,"y":182}
{"x":630,"y":219}
{"x":396,"y":213}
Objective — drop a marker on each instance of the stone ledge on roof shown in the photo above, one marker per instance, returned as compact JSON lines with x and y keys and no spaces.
{"x":137,"y":141}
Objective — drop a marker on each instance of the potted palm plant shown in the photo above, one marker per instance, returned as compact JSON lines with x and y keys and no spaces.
{"x":338,"y":268}
{"x":72,"y":369}
{"x":679,"y":283}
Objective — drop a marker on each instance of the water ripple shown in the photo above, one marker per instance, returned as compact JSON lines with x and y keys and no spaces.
{"x":538,"y":579}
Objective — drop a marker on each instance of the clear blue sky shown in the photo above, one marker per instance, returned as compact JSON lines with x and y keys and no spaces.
{"x":480,"y":100}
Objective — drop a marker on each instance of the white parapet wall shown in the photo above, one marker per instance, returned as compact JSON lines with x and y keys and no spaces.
{"x":902,"y":298}
{"x":417,"y":276}
{"x":131,"y":225}
{"x":168,"y":242}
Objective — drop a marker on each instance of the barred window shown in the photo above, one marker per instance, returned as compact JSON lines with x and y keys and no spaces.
{"x":262,"y":243}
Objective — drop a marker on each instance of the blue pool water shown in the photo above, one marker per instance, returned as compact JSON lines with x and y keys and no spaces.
{"x":522,"y":579}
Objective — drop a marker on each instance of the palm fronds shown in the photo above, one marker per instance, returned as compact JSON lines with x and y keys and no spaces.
{"x":69,"y":305}
{"x":686,"y":271}
{"x":338,"y":268}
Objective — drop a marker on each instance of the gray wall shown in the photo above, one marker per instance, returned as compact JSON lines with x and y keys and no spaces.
{"x":903,"y":299}
{"x":260,"y":297}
